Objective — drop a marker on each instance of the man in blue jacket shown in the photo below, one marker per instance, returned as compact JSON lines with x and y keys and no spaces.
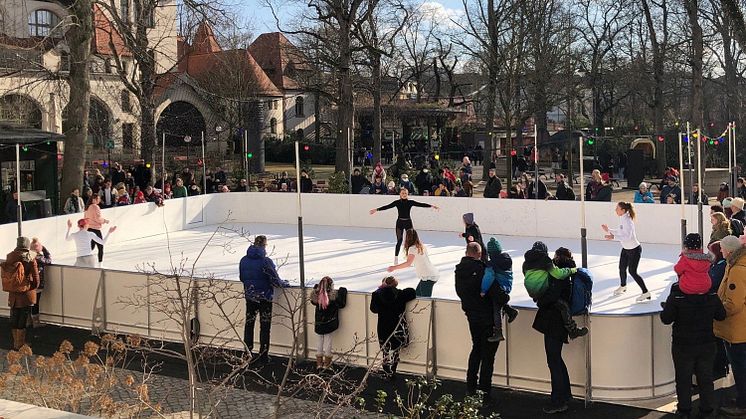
{"x":259,"y":277}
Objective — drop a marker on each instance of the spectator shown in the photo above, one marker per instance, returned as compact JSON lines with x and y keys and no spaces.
{"x":328,"y":302}
{"x":472,"y":233}
{"x":108,"y":195}
{"x":95,"y":222}
{"x":74,"y":203}
{"x":259,"y":277}
{"x":692,"y":308}
{"x":117,"y":175}
{"x":11,"y":208}
{"x":139,"y":196}
{"x":306,"y":184}
{"x":740,"y":191}
{"x":591,"y":190}
{"x":493,"y":186}
{"x":479,"y":314}
{"x":516,"y":192}
{"x":123,"y":198}
{"x":390,"y":303}
{"x":446,"y":172}
{"x":152,"y":196}
{"x":378,"y":171}
{"x":43,"y":258}
{"x":671,"y":188}
{"x":727,"y":210}
{"x":716,"y":208}
{"x":550,"y":321}
{"x":193,"y":189}
{"x":378,"y":187}
{"x":738,"y":214}
{"x":391,"y":188}
{"x":210,"y":184}
{"x":441,"y":190}
{"x":406,"y":183}
{"x":716,"y":273}
{"x":446,"y":180}
{"x":466,"y":184}
{"x":732,"y":330}
{"x":424,"y":181}
{"x":604,"y":191}
{"x":283,"y":178}
{"x":643,"y":195}
{"x":358,"y":181}
{"x":723,"y":192}
{"x":542,"y":190}
{"x":459,"y":191}
{"x":466,"y":165}
{"x":497,"y":283}
{"x":720,"y":227}
{"x":168,"y":193}
{"x":23,"y":297}
{"x":220,"y":176}
{"x":694,"y":196}
{"x":241,"y":187}
{"x":564,"y":191}
{"x":129,"y":181}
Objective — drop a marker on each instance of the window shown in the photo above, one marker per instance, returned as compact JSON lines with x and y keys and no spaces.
{"x":128,"y":137}
{"x":299,"y":106}
{"x":64,"y":61}
{"x":124,"y":10}
{"x":126,"y":103}
{"x":275,"y":104}
{"x":273,"y":126}
{"x":42,"y":22}
{"x":148,"y":14}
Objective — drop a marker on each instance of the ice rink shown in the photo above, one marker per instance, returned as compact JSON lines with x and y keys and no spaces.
{"x":357,"y":258}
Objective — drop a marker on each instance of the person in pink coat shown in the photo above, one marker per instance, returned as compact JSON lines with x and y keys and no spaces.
{"x":693,"y":267}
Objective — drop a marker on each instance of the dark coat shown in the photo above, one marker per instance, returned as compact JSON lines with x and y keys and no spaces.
{"x":717,"y":272}
{"x":468,"y":279}
{"x":548,"y":320}
{"x":565,"y":192}
{"x":604,"y":193}
{"x":424,"y":182}
{"x":493,"y":187}
{"x":306,"y":184}
{"x":358,"y":182}
{"x":259,"y":275}
{"x":692,"y":316}
{"x":474,"y":231}
{"x":390,"y":304}
{"x":42,"y":260}
{"x":327,"y":320}
{"x":531,"y":193}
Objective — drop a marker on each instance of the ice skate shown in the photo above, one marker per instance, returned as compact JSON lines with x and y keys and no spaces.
{"x":619,"y":291}
{"x":644,"y":297}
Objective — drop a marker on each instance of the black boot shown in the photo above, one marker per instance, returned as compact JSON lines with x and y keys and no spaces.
{"x":577,"y":332}
{"x":497,"y":335}
{"x":510,"y":312}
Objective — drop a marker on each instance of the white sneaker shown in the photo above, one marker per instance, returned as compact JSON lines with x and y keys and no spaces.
{"x":643,"y":297}
{"x":620,"y":290}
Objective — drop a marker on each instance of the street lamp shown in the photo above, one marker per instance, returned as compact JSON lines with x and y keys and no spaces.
{"x":187,"y":140}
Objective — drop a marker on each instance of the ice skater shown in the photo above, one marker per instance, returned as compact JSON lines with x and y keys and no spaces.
{"x":631,"y":249}
{"x":417,"y":255}
{"x":83,"y":238}
{"x":472,"y":233}
{"x":404,"y":221}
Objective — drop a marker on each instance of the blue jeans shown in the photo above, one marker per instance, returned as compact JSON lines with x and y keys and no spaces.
{"x":561,"y":393}
{"x":737,"y":357}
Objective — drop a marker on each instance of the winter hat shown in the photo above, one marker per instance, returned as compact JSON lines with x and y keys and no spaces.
{"x":539,"y":246}
{"x":469,"y":218}
{"x":23,"y":243}
{"x":727,"y":202}
{"x":82,"y":222}
{"x":693,"y":241}
{"x":405,"y":177}
{"x":715,"y":249}
{"x":493,"y":246}
{"x":737,"y":203}
{"x":391,"y":185}
{"x":730,"y":244}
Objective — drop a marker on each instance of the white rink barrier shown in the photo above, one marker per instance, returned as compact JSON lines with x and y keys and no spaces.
{"x":625,"y":357}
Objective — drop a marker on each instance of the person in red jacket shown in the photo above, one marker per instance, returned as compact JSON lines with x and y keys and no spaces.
{"x":693,"y":267}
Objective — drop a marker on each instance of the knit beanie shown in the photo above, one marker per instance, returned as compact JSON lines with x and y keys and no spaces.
{"x":493,"y":246}
{"x":715,"y":249}
{"x":23,"y":243}
{"x":730,"y":244}
{"x":693,"y":241}
{"x":539,"y":246}
{"x":469,"y":218}
{"x":727,"y":202}
{"x":737,"y":203}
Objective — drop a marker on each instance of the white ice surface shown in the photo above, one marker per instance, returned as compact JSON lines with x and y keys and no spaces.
{"x":357,"y":258}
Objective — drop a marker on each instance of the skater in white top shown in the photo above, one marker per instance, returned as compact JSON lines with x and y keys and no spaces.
{"x":631,"y":249}
{"x":417,"y":256}
{"x":83,"y":239}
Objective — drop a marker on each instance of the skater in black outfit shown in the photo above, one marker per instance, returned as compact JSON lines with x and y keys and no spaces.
{"x":404,"y":221}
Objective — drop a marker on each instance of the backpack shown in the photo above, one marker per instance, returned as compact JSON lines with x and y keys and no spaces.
{"x":736,"y":226}
{"x":581,"y":295}
{"x":504,"y":280}
{"x":14,"y":277}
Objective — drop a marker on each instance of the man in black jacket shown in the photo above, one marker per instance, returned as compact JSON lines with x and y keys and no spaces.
{"x":693,"y":346}
{"x":564,"y":191}
{"x":493,"y":187}
{"x":478,"y":312}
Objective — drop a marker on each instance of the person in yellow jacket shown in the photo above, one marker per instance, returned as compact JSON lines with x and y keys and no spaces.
{"x":732,"y":330}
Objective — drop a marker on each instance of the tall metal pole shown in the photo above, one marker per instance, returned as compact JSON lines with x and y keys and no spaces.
{"x":301,"y":260}
{"x":700,"y":219}
{"x":204,"y":164}
{"x":19,"y":210}
{"x":163,"y":159}
{"x":583,"y":230}
{"x":681,"y":170}
{"x":735,"y":157}
{"x":349,"y":158}
{"x":536,"y":160}
{"x":246,"y":158}
{"x":731,"y":181}
{"x":689,"y":154}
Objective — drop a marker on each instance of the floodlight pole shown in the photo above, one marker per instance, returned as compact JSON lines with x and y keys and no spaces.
{"x":19,"y":209}
{"x":583,"y":230}
{"x":699,"y":183}
{"x":681,"y":171}
{"x":301,"y":259}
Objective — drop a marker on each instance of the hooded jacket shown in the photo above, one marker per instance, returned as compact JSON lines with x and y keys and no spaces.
{"x":327,"y":320}
{"x":537,"y":267}
{"x":28,"y":260}
{"x":259,"y":275}
{"x":468,"y":281}
{"x":390,"y":303}
{"x":732,"y":293}
{"x":692,"y":316}
{"x":693,"y":270}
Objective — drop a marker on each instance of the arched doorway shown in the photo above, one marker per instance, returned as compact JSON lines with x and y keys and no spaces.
{"x":20,"y":110}
{"x":178,"y":120}
{"x":99,"y":124}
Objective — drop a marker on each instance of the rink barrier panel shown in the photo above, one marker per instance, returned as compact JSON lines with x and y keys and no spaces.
{"x":629,"y":358}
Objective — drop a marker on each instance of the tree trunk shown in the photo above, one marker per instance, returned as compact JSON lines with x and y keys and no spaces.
{"x":692,"y":11}
{"x":489,"y":124}
{"x":79,"y":39}
{"x":317,"y":117}
{"x":344,"y":108}
{"x":377,"y":134}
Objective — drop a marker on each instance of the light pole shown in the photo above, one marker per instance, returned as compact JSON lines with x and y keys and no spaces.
{"x":187,"y":140}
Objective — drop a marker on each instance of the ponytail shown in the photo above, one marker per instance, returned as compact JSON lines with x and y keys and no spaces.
{"x":628,"y":208}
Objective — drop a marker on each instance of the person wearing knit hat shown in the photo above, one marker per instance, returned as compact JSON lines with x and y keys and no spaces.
{"x":726,"y":206}
{"x":732,"y":330}
{"x":629,"y":259}
{"x":472,"y":233}
{"x":22,"y":297}
{"x":738,"y":219}
{"x":390,"y":303}
{"x":693,"y":267}
{"x":497,"y":283}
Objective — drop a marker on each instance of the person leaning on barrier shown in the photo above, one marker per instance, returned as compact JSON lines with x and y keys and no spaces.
{"x":259,"y":277}
{"x":20,"y":279}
